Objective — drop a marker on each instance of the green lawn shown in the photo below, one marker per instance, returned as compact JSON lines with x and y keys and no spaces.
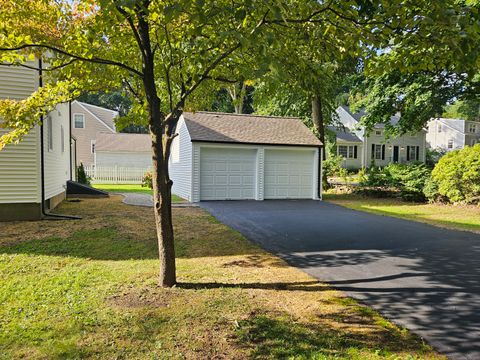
{"x":134,"y":188}
{"x":88,"y":289}
{"x":451,"y":216}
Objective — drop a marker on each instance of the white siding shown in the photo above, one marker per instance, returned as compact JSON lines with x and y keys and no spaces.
{"x":180,"y":165}
{"x":19,"y":164}
{"x":57,"y":163}
{"x":123,"y":159}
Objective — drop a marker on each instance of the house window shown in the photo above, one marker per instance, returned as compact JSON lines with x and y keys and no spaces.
{"x":413,"y":152}
{"x":343,"y":151}
{"x":439,"y":127}
{"x":450,"y":144}
{"x":378,"y":152}
{"x":62,"y":138}
{"x":378,"y":132}
{"x":49,"y":133}
{"x":472,"y":128}
{"x":79,"y":121}
{"x":92,"y":146}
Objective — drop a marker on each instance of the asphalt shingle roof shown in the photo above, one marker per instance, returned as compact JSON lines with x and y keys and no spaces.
{"x":248,"y":129}
{"x":106,"y":115}
{"x":123,"y":142}
{"x":344,"y":135}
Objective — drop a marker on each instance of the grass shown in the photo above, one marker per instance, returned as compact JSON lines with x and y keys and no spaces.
{"x":88,"y":289}
{"x":132,"y":188}
{"x":449,"y":216}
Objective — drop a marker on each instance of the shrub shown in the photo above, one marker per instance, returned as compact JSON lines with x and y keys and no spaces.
{"x":409,"y":179}
{"x":82,"y":177}
{"x":147,"y":180}
{"x":406,"y":179}
{"x":457,"y":175}
{"x":332,"y":166}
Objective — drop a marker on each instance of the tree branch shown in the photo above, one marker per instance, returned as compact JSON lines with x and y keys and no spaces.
{"x":53,"y":68}
{"x":94,"y":60}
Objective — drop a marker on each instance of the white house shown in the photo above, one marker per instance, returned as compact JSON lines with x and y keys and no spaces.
{"x":123,"y":150}
{"x":452,"y":134}
{"x":33,"y":173}
{"x":87,"y":122}
{"x":360,"y":148}
{"x":218,"y":156}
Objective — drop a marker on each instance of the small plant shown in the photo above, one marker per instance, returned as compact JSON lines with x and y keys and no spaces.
{"x":147,"y":180}
{"x":82,"y":176}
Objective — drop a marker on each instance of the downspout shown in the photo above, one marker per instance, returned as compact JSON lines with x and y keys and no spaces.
{"x":70,"y":136}
{"x":44,"y":213}
{"x":320,"y":172}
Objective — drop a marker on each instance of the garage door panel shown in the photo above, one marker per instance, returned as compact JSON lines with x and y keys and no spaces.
{"x":227,"y":173}
{"x":288,"y":174}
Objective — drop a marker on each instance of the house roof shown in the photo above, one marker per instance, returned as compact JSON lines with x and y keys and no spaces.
{"x":123,"y":142}
{"x":456,"y":124}
{"x":361,"y":113}
{"x":248,"y":129}
{"x":344,"y":135}
{"x":102,"y":114}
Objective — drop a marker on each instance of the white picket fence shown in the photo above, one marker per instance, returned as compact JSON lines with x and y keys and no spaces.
{"x":115,"y":174}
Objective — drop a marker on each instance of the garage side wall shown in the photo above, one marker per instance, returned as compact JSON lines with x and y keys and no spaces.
{"x":180,"y":164}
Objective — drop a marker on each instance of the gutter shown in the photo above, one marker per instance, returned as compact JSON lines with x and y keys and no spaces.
{"x":44,"y":213}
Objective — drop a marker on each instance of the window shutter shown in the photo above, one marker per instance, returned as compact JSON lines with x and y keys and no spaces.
{"x":355,"y":151}
{"x":373,"y":151}
{"x":408,"y":153}
{"x":417,"y":155}
{"x":383,"y":152}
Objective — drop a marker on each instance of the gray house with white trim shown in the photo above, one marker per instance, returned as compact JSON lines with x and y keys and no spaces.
{"x":360,"y":148}
{"x":452,"y":134}
{"x":219,"y":156}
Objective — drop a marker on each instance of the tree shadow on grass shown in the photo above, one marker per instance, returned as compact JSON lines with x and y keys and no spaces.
{"x":276,"y":286}
{"x":281,"y":337}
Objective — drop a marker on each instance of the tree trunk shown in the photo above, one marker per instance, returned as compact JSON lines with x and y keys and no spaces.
{"x":318,"y":120}
{"x":162,"y":200}
{"x":238,"y":96}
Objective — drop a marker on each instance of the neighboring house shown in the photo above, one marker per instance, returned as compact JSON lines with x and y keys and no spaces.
{"x":87,"y":121}
{"x":123,"y":150}
{"x":33,"y":173}
{"x":452,"y":134}
{"x":218,"y":156}
{"x":360,"y":148}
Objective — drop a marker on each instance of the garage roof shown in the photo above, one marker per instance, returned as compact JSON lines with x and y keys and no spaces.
{"x":248,"y":129}
{"x":123,"y":142}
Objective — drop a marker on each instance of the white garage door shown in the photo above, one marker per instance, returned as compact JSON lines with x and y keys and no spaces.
{"x":227,"y":174}
{"x":289,"y":174}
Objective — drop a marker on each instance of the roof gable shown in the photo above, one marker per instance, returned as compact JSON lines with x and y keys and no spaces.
{"x":123,"y":142}
{"x":248,"y":129}
{"x":103,"y":115}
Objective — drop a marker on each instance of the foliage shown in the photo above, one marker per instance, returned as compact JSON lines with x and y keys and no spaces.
{"x":147,"y":180}
{"x":408,"y":179}
{"x":82,"y":176}
{"x":468,"y":109}
{"x":432,"y":156}
{"x":457,"y":175}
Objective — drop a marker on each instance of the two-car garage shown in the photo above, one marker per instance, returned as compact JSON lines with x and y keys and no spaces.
{"x":244,"y":157}
{"x":246,"y":173}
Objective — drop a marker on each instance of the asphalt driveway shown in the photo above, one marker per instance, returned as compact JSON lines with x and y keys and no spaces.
{"x":422,"y":277}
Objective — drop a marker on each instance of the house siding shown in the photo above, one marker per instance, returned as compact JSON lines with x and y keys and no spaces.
{"x":180,"y":163}
{"x":93,"y":129}
{"x":19,"y":163}
{"x":124,"y":159}
{"x":57,"y":162}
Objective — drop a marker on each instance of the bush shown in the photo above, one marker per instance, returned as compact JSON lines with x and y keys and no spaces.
{"x":332,"y":166}
{"x":433,"y":156}
{"x":457,"y":175}
{"x":82,"y":177}
{"x":406,"y":179}
{"x":147,"y":180}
